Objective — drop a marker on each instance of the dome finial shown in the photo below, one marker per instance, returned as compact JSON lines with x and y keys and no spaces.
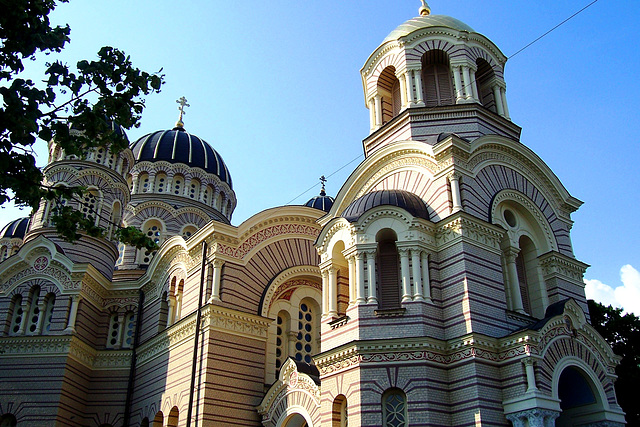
{"x":424,"y":10}
{"x":183,"y":103}
{"x":323,"y":180}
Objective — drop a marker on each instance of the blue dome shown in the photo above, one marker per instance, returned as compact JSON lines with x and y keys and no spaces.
{"x":322,"y":202}
{"x":15,"y":229}
{"x":400,"y":198}
{"x":179,"y":146}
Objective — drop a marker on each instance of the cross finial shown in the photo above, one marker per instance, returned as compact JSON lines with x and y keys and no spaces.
{"x":323,"y":180}
{"x":424,"y":10}
{"x":183,"y":103}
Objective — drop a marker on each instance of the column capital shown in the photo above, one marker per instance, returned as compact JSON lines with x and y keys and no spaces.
{"x":454,"y":176}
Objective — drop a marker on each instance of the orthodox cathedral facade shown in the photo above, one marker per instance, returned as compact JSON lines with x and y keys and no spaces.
{"x":438,"y":288}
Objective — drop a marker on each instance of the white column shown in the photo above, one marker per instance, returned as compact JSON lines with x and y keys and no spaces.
{"x":404,"y":272}
{"x":474,"y":86}
{"x":171,"y":316}
{"x":378,"y":104}
{"x":152,"y":182}
{"x":371,"y":273}
{"x":403,"y":89}
{"x":41,"y":315}
{"x":360,"y":297}
{"x":466,"y":78}
{"x":73,"y":312}
{"x":503,"y":96}
{"x":215,"y":283}
{"x":352,"y":279}
{"x":458,"y":83}
{"x":372,"y":114}
{"x":512,"y":277}
{"x":411,"y":99}
{"x":531,"y":375}
{"x":418,"y":79}
{"x":454,"y":178}
{"x":333,"y":291}
{"x":120,"y":319}
{"x":426,"y":281}
{"x":325,"y":292}
{"x":497,"y":98}
{"x":417,"y":277}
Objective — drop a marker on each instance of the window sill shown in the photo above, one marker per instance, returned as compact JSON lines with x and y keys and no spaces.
{"x":390,"y":312}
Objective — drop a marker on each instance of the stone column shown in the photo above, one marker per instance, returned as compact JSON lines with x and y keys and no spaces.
{"x":529,"y":365}
{"x":466,"y":77}
{"x":512,"y":278}
{"x":458,"y":83}
{"x":426,"y":281}
{"x":171,"y":315}
{"x":371,"y":277}
{"x":120,"y":319}
{"x":361,"y":298}
{"x":418,"y":79}
{"x":372,"y":114}
{"x":403,"y":89}
{"x":474,"y":85}
{"x":215,"y":282}
{"x":325,"y":292}
{"x":503,"y":95}
{"x":404,"y":272}
{"x":152,"y":182}
{"x":333,"y":291}
{"x":73,"y":312}
{"x":352,"y":279}
{"x":378,"y":105}
{"x":454,"y":179}
{"x":497,"y":98}
{"x":411,"y":99}
{"x":134,"y":183}
{"x":42,"y":307}
{"x":417,"y":276}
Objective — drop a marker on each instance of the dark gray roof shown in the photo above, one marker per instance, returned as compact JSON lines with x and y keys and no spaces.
{"x":179,"y":146}
{"x":322,"y":202}
{"x":15,"y":229}
{"x":400,"y":198}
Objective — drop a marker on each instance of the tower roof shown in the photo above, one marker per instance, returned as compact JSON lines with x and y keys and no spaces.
{"x":15,"y":229}
{"x":427,"y":21}
{"x":400,"y":198}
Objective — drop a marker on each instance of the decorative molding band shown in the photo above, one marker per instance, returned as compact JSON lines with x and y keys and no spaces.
{"x":555,"y":264}
{"x":462,"y":227}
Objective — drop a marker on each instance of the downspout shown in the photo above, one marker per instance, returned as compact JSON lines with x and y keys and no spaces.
{"x":132,"y":368}
{"x":197,"y":335}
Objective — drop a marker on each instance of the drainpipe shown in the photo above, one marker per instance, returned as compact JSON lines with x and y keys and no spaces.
{"x":132,"y":368}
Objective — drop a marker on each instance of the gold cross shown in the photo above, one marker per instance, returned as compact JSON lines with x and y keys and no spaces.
{"x":183,"y":103}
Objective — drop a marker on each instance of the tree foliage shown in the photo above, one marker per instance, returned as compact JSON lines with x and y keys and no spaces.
{"x":622,"y":332}
{"x":88,"y":98}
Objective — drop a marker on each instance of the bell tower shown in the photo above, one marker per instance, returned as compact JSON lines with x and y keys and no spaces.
{"x":433,"y":76}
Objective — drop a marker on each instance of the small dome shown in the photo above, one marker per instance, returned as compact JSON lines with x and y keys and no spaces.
{"x":425,"y":22}
{"x":322,"y":202}
{"x":400,"y":198}
{"x":179,"y":146}
{"x":116,"y":128}
{"x":15,"y":229}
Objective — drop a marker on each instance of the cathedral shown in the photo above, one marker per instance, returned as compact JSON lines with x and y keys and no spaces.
{"x":437,"y":288}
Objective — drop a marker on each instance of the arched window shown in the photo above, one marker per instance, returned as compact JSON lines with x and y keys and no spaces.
{"x":179,"y":293}
{"x":436,"y":79}
{"x":172,"y":419}
{"x":129,"y":329}
{"x":158,"y":420}
{"x":282,"y":339}
{"x":388,"y":271}
{"x":305,"y":339}
{"x":178,"y":184}
{"x":116,"y":217}
{"x":154,"y":230}
{"x":115,"y":328}
{"x":222,"y":198}
{"x":528,"y":278}
{"x":49,"y":302}
{"x":17,"y":315}
{"x":91,"y":204}
{"x":578,"y":397}
{"x":394,"y":408}
{"x":339,"y":416}
{"x":484,"y":78}
{"x":8,"y":420}
{"x":34,"y":311}
{"x":143,"y":183}
{"x":389,"y":90}
{"x":160,"y":185}
{"x":163,"y":319}
{"x":188,"y":231}
{"x":208,"y":195}
{"x":144,"y":422}
{"x":194,"y":189}
{"x":3,"y":253}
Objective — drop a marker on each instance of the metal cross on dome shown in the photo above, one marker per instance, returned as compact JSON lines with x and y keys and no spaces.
{"x":183,"y":103}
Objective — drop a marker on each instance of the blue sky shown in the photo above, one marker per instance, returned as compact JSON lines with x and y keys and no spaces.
{"x":275,"y":88}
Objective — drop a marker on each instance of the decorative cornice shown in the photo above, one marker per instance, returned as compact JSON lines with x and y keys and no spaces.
{"x":557,"y":265}
{"x":463,"y":227}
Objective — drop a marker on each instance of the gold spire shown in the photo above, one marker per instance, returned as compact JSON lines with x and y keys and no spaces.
{"x":424,"y":10}
{"x":183,"y":103}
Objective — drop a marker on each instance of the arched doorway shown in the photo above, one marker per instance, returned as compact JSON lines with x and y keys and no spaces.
{"x":580,"y":400}
{"x":295,"y":420}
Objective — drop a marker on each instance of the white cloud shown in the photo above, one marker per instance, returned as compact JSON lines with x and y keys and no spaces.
{"x":625,"y":296}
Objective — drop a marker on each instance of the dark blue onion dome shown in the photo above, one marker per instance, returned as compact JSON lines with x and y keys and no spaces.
{"x":15,"y":229}
{"x":179,"y":146}
{"x":322,"y":202}
{"x":400,"y":198}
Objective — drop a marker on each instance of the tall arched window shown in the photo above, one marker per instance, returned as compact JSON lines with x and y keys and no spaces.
{"x":484,"y":77}
{"x":8,"y":420}
{"x":394,"y":408}
{"x":143,"y":183}
{"x":388,"y":271}
{"x":129,"y":329}
{"x":194,"y":189}
{"x":339,"y":416}
{"x":282,"y":339}
{"x":179,"y":295}
{"x":3,"y":253}
{"x":114,"y":220}
{"x":178,"y":184}
{"x":17,"y":315}
{"x":115,"y":330}
{"x":160,"y":185}
{"x":172,"y":419}
{"x":158,"y":420}
{"x":49,"y":302}
{"x":208,"y":195}
{"x":528,"y":278}
{"x":33,"y":316}
{"x":154,"y":230}
{"x":305,"y":340}
{"x":389,"y":90}
{"x":163,"y":318}
{"x":436,"y":79}
{"x":90,"y":206}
